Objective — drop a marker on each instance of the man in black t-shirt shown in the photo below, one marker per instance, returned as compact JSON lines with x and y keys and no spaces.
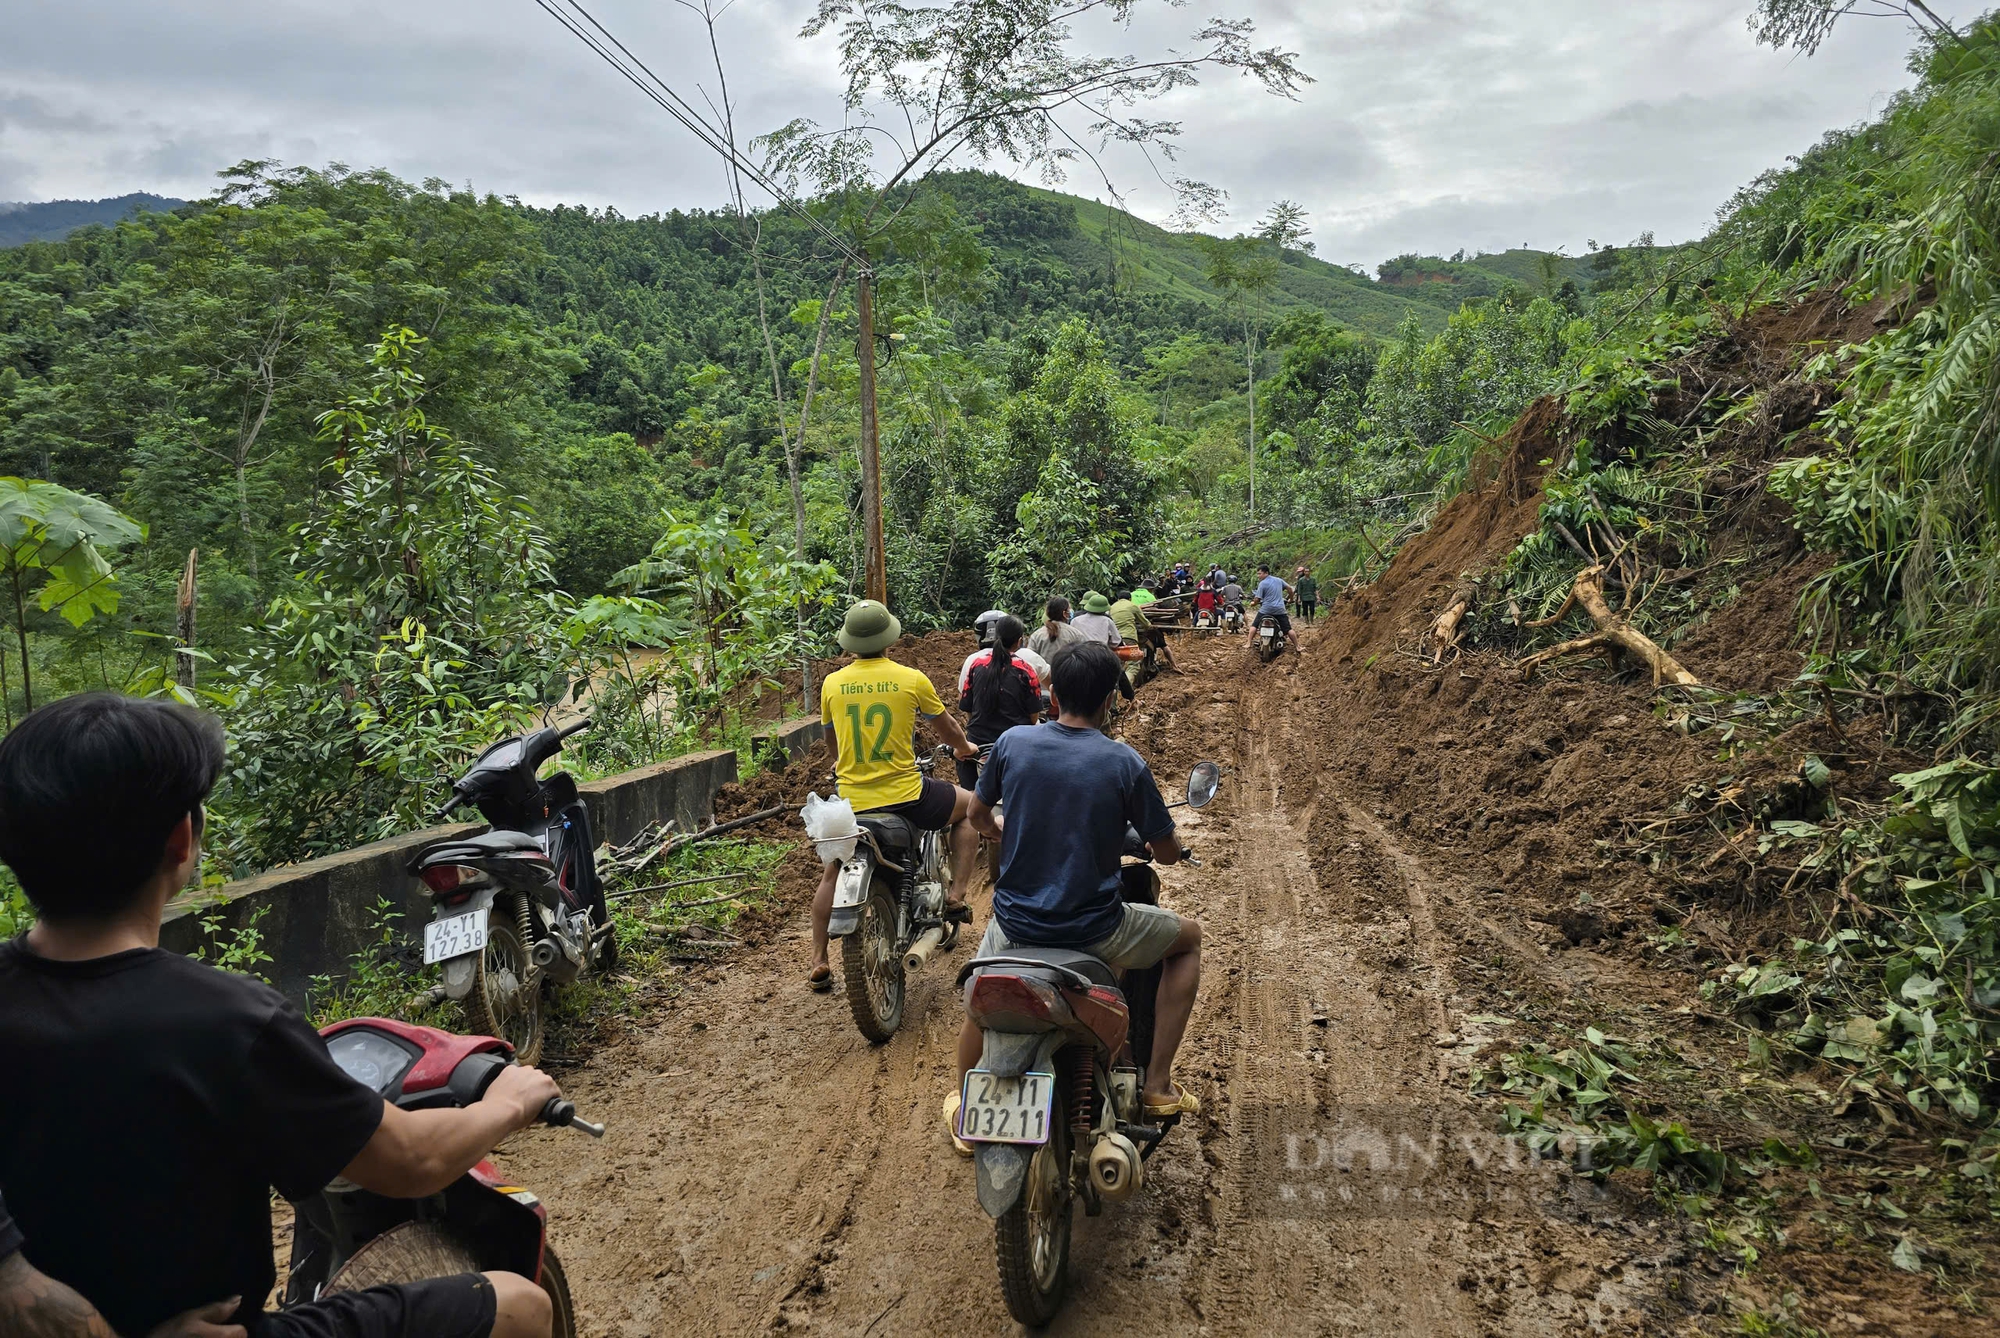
{"x":153,"y":1101}
{"x":35,"y":1305}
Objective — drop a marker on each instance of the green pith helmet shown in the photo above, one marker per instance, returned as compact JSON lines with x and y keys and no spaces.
{"x":869,"y":629}
{"x":1095,"y":603}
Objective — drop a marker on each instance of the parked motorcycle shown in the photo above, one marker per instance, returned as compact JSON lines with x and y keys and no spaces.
{"x":888,"y":911}
{"x":1053,"y":1107}
{"x":1270,"y":639}
{"x":518,"y":908}
{"x":346,"y":1238}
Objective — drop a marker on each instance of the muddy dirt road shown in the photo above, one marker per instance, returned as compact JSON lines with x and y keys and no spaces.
{"x":768,"y":1169}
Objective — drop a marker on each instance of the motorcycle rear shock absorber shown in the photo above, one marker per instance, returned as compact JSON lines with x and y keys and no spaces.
{"x":1082,"y":1089}
{"x":525,"y":918}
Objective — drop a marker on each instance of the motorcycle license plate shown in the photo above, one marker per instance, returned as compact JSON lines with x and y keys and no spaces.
{"x":993,"y":1109}
{"x":852,"y":889}
{"x":1269,"y":632}
{"x":455,"y":936}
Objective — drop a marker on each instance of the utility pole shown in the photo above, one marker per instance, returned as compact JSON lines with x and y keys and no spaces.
{"x":871,"y":447}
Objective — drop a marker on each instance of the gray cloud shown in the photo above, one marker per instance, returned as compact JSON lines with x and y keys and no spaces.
{"x":1434,"y":124}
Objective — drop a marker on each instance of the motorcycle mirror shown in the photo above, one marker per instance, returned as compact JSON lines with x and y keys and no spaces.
{"x":1202,"y":784}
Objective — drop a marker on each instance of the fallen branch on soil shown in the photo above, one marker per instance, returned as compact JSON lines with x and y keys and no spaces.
{"x":1613,"y":638}
{"x":747,"y":820}
{"x":685,"y":882}
{"x":1450,"y":625}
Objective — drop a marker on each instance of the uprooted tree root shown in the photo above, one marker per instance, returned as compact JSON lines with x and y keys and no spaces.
{"x":1613,"y":639}
{"x":1449,"y":626}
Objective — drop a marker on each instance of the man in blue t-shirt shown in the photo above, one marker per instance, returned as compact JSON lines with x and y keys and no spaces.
{"x":1271,"y":592}
{"x":1070,"y":794}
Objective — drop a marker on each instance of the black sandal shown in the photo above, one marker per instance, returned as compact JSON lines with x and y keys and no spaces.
{"x":820,"y":980}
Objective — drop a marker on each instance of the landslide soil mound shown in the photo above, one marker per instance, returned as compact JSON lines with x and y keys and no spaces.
{"x":1535,"y":805}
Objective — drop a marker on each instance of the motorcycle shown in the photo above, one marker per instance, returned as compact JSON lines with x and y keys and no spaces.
{"x":517,"y":908}
{"x":1053,"y":1107}
{"x":346,"y":1238}
{"x":1232,"y":618}
{"x":888,"y":911}
{"x":1270,"y":640}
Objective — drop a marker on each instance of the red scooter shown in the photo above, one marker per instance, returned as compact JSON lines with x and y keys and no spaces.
{"x":346,"y":1238}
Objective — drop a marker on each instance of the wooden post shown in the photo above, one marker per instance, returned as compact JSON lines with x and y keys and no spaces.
{"x":871,"y":448}
{"x":184,"y":623}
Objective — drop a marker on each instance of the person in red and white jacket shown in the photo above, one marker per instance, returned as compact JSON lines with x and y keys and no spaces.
{"x":1000,"y":689}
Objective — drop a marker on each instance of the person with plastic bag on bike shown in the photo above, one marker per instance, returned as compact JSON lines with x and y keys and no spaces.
{"x":1070,"y":793}
{"x":154,"y":1101}
{"x":871,"y":707}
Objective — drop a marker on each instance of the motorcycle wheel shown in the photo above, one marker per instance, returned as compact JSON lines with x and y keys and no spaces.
{"x":556,"y":1283}
{"x":873,"y":969}
{"x":506,"y":998}
{"x":406,"y":1252}
{"x":1031,"y":1239}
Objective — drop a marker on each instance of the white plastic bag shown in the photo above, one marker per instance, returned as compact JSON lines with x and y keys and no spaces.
{"x":831,"y":825}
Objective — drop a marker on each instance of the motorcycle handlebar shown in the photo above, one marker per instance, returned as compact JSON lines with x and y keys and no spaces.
{"x":560,"y":1113}
{"x":578,"y":728}
{"x":449,"y":805}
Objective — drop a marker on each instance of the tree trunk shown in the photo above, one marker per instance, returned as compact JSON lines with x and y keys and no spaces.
{"x":1614,"y":636}
{"x":21,"y":632}
{"x":1250,"y":369}
{"x":184,"y":622}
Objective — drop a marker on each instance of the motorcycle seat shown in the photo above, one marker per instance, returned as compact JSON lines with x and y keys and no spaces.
{"x":1010,"y":961}
{"x":892,"y":831}
{"x":486,"y":845}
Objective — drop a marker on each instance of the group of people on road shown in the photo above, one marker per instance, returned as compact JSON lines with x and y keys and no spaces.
{"x":1036,"y":774}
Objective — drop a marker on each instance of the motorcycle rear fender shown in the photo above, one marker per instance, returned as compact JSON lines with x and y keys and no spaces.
{"x":844,"y":920}
{"x":1003,"y":1167}
{"x":459,"y":971}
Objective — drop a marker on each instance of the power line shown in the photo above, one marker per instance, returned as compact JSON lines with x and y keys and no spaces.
{"x":580,"y":22}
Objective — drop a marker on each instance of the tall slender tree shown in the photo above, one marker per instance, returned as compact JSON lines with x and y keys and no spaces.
{"x":1244,"y":273}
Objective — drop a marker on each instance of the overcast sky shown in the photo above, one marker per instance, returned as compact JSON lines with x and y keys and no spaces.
{"x":1433,"y":124}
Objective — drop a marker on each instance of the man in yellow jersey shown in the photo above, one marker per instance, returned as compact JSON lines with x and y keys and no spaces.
{"x":871,"y":708}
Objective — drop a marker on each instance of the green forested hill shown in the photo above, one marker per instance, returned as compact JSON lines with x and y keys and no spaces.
{"x":52,"y":220}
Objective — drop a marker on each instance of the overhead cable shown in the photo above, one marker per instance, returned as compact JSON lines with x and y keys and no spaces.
{"x":580,"y":22}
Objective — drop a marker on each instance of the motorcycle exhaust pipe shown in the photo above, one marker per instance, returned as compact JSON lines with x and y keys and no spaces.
{"x":920,"y":951}
{"x":1116,"y":1168}
{"x":558,"y":960}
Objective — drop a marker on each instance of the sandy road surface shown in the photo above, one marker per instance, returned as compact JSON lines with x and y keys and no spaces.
{"x":768,"y":1169}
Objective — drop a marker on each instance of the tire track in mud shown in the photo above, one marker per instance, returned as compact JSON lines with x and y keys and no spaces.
{"x":768,"y":1170}
{"x":1310,"y":1015}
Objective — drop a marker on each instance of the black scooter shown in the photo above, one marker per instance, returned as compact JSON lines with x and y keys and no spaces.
{"x":518,"y":908}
